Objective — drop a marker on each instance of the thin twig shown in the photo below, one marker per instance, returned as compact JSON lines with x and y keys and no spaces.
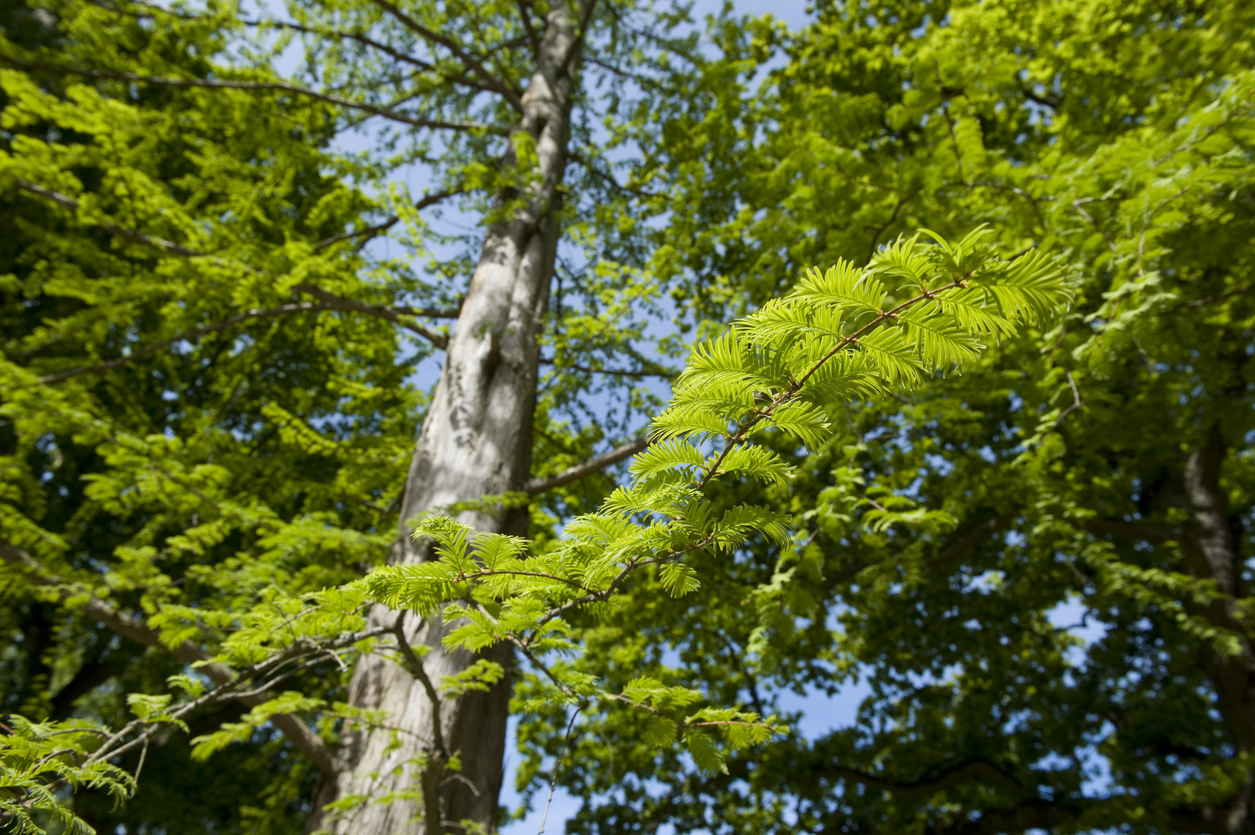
{"x":557,"y":766}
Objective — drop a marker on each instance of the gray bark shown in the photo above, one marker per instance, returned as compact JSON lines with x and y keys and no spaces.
{"x":475,"y":441}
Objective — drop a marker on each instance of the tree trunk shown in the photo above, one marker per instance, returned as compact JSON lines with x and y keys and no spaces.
{"x":476,"y":441}
{"x":1211,"y":551}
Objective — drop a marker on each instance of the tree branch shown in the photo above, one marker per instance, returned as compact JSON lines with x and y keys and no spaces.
{"x":127,"y":234}
{"x":977,"y":769}
{"x":532,"y":35}
{"x":371,"y":231}
{"x":580,"y":35}
{"x":120,"y":623}
{"x":388,"y":313}
{"x":494,"y":83}
{"x":1132,"y":530}
{"x":331,"y":301}
{"x":665,"y":373}
{"x":251,"y":85}
{"x":956,"y":549}
{"x":541,"y":485}
{"x":191,"y":336}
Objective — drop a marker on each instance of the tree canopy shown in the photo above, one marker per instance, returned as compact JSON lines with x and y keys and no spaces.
{"x":229,"y":317}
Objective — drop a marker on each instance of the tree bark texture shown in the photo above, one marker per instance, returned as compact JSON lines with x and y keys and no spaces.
{"x":475,"y":441}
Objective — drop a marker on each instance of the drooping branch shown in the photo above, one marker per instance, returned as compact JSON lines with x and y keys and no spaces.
{"x":190,"y":336}
{"x":330,"y":300}
{"x":975,"y":769}
{"x":121,"y":232}
{"x":495,"y":84}
{"x":541,"y":485}
{"x":274,"y":86}
{"x":133,"y":629}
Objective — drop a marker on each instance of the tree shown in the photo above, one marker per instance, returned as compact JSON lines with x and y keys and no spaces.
{"x":417,"y":743}
{"x":203,"y":407}
{"x":1105,"y":479}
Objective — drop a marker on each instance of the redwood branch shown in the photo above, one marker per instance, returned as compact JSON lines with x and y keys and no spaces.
{"x":120,"y":623}
{"x":542,"y":485}
{"x":274,"y":86}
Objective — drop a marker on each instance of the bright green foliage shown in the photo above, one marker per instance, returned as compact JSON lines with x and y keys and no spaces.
{"x":37,"y":759}
{"x":215,"y":349}
{"x":886,"y":328}
{"x":1039,"y":572}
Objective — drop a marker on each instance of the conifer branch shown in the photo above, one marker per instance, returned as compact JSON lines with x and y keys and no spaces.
{"x":273,"y":86}
{"x":542,"y":485}
{"x":783,"y":397}
{"x":495,"y":84}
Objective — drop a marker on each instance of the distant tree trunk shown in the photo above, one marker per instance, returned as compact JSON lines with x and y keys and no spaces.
{"x":476,"y":441}
{"x":1211,"y":551}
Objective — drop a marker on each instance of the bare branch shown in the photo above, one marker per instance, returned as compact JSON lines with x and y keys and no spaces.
{"x":120,"y":623}
{"x":414,"y":666}
{"x":275,"y":86}
{"x":614,"y":456}
{"x":580,"y":35}
{"x":494,"y":83}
